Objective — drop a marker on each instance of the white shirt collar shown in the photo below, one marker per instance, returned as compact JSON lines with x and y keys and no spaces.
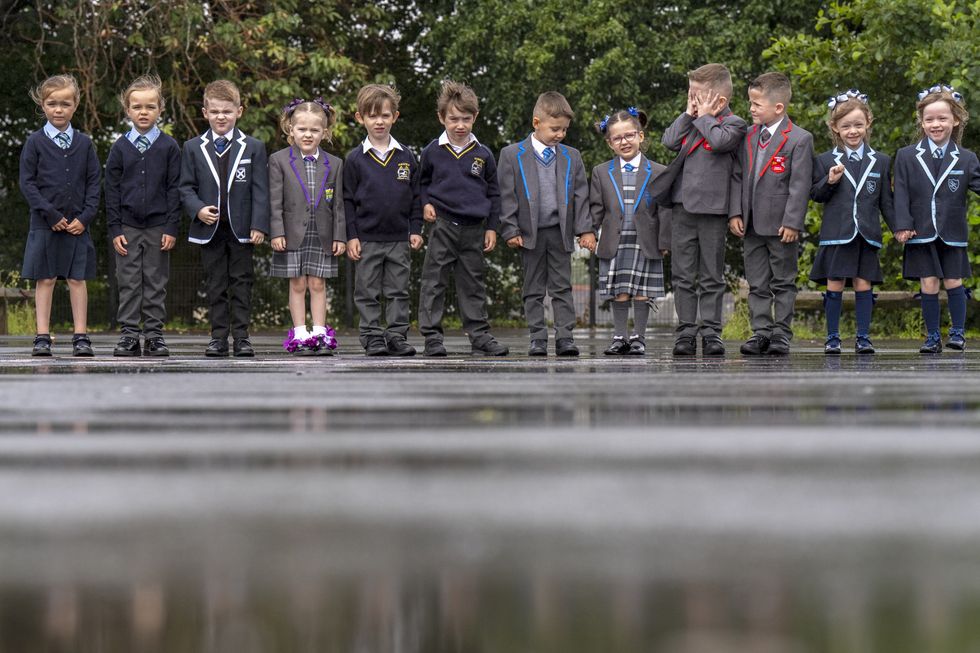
{"x":151,"y":135}
{"x":51,"y":131}
{"x":230,"y":135}
{"x":860,"y":151}
{"x":635,"y":162}
{"x":392,"y":145}
{"x":540,"y":147}
{"x":315,"y":155}
{"x":444,"y":140}
{"x":933,"y":146}
{"x":774,"y":126}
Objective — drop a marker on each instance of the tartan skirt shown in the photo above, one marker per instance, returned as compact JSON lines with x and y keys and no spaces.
{"x":308,"y":260}
{"x":629,"y":271}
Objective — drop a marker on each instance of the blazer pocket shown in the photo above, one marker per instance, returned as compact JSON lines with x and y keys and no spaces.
{"x":777,"y":205}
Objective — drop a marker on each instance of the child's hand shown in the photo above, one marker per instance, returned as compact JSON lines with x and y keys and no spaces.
{"x":257,"y":237}
{"x":788,"y":235}
{"x":515,"y":242}
{"x":60,"y":225}
{"x":489,"y":241}
{"x":708,"y":103}
{"x":167,"y":243}
{"x":736,"y":226}
{"x":692,"y":109}
{"x":587,"y":241}
{"x":208,"y":215}
{"x":664,"y":252}
{"x":75,"y":227}
{"x":119,"y":244}
{"x":904,"y":235}
{"x":415,"y":241}
{"x":836,"y":172}
{"x":354,"y":249}
{"x":339,"y":248}
{"x":429,"y":213}
{"x":278,"y":244}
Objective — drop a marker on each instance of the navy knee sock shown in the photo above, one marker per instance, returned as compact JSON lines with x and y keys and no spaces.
{"x":863,"y":304}
{"x":957,"y":307}
{"x":930,"y":312}
{"x":832,"y":301}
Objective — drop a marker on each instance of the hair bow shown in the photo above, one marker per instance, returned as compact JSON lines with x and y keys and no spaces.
{"x":292,"y":105}
{"x":323,"y":104}
{"x":603,"y":123}
{"x":633,"y":112}
{"x":850,"y":94}
{"x":939,"y":88}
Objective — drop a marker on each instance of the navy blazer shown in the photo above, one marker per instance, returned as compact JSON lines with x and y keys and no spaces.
{"x":934,"y":208}
{"x":248,"y":185}
{"x":853,"y":206}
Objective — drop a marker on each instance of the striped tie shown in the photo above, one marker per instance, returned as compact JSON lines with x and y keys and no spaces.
{"x":220,"y":143}
{"x":764,"y":137}
{"x":142,"y":143}
{"x":547,"y":154}
{"x":853,"y":157}
{"x":938,"y":154}
{"x":63,"y":140}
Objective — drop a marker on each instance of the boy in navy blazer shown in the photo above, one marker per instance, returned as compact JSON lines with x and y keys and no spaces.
{"x":698,"y":184}
{"x":544,"y":205}
{"x":224,"y":187}
{"x":776,"y":163}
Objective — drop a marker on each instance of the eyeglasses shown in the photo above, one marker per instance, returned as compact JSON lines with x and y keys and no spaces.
{"x":627,"y":137}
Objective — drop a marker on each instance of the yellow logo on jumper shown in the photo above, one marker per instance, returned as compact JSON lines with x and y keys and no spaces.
{"x":403,"y":172}
{"x":477,"y":167}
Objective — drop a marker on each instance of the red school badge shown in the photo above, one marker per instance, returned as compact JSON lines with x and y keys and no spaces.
{"x":778,"y":164}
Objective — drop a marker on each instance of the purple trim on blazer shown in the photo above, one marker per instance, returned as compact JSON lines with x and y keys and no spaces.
{"x":302,"y":183}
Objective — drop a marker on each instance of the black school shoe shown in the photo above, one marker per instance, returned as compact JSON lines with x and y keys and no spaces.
{"x":217,"y":348}
{"x":156,"y":346}
{"x":755,"y":346}
{"x":538,"y":348}
{"x":243,"y":348}
{"x":376,"y":346}
{"x":957,"y":340}
{"x":490,"y":347}
{"x":618,"y":347}
{"x":42,"y":345}
{"x":127,"y":346}
{"x":434,"y":349}
{"x":81,"y":345}
{"x":778,"y":346}
{"x":862,"y":345}
{"x":685,"y":346}
{"x":400,"y":347}
{"x":932,"y":345}
{"x":565,"y":347}
{"x":638,"y":346}
{"x":712,"y":346}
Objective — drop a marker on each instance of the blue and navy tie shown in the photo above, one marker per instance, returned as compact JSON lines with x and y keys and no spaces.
{"x":63,"y":140}
{"x":547,"y":155}
{"x":854,"y":158}
{"x":220,"y":143}
{"x":142,"y":143}
{"x":629,"y":167}
{"x":938,"y":154}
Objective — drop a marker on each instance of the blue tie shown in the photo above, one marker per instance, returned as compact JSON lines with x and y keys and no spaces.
{"x":547,"y":155}
{"x":220,"y":143}
{"x":854,"y":158}
{"x":938,"y":153}
{"x":142,"y":143}
{"x":629,"y":167}
{"x":63,"y":140}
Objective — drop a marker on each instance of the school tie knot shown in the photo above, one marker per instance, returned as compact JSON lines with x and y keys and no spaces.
{"x":547,"y":155}
{"x":63,"y":140}
{"x":764,"y":136}
{"x":142,"y":143}
{"x":938,"y":154}
{"x":853,"y":157}
{"x":629,"y":167}
{"x":220,"y":143}
{"x":309,"y":158}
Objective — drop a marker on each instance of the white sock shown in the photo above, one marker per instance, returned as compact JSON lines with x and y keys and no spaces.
{"x":300,"y":333}
{"x":319,"y":330}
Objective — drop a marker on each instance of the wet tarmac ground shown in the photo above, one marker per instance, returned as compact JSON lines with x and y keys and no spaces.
{"x":469,"y":504}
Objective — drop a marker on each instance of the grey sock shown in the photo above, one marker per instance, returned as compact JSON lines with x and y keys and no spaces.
{"x":621,"y":314}
{"x":641,"y":314}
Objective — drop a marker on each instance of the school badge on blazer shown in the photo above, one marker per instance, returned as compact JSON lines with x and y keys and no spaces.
{"x":240,"y":174}
{"x":872,"y":185}
{"x":477,"y":168}
{"x":778,"y":164}
{"x":403,"y":172}
{"x":953,"y":184}
{"x":328,"y":194}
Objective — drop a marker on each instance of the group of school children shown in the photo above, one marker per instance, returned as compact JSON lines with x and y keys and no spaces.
{"x":752,"y":181}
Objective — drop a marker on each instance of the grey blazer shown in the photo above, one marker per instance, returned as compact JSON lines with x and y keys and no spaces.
{"x":778,"y":194}
{"x":607,"y":209}
{"x":290,"y":196}
{"x":517,"y":176}
{"x":705,"y":166}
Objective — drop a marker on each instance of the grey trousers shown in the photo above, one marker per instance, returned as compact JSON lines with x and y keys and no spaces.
{"x":771,"y":269}
{"x":142,"y":277}
{"x":697,"y":269}
{"x":548,"y":269}
{"x":454,"y":248}
{"x":383,"y":271}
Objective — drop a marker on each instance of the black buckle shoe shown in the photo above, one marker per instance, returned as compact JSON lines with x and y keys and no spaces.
{"x":400,"y":347}
{"x":932,"y":345}
{"x":685,"y":346}
{"x":128,"y":346}
{"x":538,"y":348}
{"x":778,"y":346}
{"x":566,"y":347}
{"x":862,"y":345}
{"x":376,"y":346}
{"x":618,"y":347}
{"x":156,"y":346}
{"x":712,"y":346}
{"x":832,"y":346}
{"x":243,"y":348}
{"x":435,"y":349}
{"x":638,"y":346}
{"x":755,"y":346}
{"x":490,"y":347}
{"x":81,"y":345}
{"x":217,"y":348}
{"x":42,"y":345}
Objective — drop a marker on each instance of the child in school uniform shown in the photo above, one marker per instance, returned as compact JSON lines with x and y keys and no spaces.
{"x":853,"y":182}
{"x":384,"y":223}
{"x":59,"y":177}
{"x":777,"y":165}
{"x":224,"y":187}
{"x":307,"y":227}
{"x":931,"y":179}
{"x":698,"y":185}
{"x":544,"y":198}
{"x":634,"y":231}
{"x":461,"y":200}
{"x":142,"y":202}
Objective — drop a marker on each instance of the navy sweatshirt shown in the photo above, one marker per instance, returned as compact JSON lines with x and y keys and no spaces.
{"x":142,"y":190}
{"x":381,"y":199}
{"x":462,"y":187}
{"x":60,"y":183}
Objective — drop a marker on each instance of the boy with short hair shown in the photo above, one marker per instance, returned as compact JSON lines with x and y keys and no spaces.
{"x":701,"y":184}
{"x":224,"y":186}
{"x":777,"y":163}
{"x":459,"y":194}
{"x":544,"y":207}
{"x":384,"y":219}
{"x":142,"y":205}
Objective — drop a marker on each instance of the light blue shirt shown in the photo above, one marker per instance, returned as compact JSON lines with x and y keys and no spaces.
{"x":933,"y":147}
{"x":151,"y":135}
{"x":51,"y":131}
{"x":860,"y":151}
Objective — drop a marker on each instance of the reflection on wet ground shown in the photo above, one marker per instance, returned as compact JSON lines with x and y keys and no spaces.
{"x":355,"y":504}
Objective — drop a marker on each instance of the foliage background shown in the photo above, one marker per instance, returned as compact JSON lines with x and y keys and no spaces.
{"x":602,"y":54}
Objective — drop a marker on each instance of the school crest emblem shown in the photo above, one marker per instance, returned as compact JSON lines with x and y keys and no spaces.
{"x":240,"y":174}
{"x":953,"y":184}
{"x":872,"y":186}
{"x":477,"y":168}
{"x":778,"y":164}
{"x":403,"y":172}
{"x":328,"y":194}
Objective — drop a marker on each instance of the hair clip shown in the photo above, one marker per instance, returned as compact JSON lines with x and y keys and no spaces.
{"x":603,"y":123}
{"x":939,"y":88}
{"x":850,"y":94}
{"x":633,"y":112}
{"x":288,"y":109}
{"x":320,"y":102}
